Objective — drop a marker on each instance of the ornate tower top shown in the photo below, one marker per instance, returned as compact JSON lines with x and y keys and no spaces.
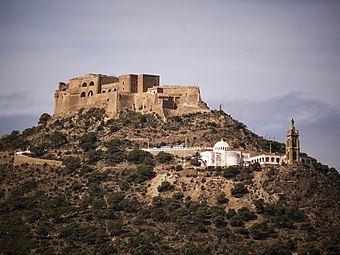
{"x":292,"y":144}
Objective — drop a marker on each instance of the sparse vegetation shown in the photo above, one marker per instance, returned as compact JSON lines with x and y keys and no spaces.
{"x":103,"y":199}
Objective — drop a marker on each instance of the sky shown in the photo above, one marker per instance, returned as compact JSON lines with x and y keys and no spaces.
{"x":264,"y":62}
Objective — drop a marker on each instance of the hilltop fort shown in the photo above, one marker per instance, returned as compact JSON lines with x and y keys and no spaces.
{"x":141,"y":93}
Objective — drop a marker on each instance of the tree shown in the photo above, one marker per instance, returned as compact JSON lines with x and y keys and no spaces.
{"x":44,"y":118}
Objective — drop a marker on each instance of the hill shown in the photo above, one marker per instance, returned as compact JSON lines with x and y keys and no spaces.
{"x":109,"y":197}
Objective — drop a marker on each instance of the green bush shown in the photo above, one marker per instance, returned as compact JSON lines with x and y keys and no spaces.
{"x":115,"y":158}
{"x":178,"y":196}
{"x":93,"y":156}
{"x":57,"y":139}
{"x":88,"y":141}
{"x":143,"y":173}
{"x":71,"y":164}
{"x":245,"y":214}
{"x":130,"y":205}
{"x":259,"y":205}
{"x":165,"y":186}
{"x":163,"y":157}
{"x":239,"y":190}
{"x":116,"y":228}
{"x":277,"y":248}
{"x":231,"y":172}
{"x":24,"y":188}
{"x":221,"y":198}
{"x":261,"y":231}
{"x":38,"y":150}
{"x":140,"y":157}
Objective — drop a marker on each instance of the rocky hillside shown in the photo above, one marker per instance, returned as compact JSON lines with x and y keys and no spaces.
{"x":109,"y":197}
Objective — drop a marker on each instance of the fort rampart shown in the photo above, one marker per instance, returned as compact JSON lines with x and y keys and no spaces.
{"x":140,"y":93}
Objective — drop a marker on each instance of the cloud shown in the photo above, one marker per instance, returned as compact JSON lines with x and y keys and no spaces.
{"x":17,"y":122}
{"x":24,"y":103}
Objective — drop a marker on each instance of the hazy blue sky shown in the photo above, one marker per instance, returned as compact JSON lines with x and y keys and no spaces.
{"x":264,"y":61}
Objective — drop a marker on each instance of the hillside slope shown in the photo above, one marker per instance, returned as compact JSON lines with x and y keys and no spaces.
{"x":111,"y":198}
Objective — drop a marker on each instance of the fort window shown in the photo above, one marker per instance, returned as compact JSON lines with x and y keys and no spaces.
{"x":267,"y":159}
{"x":91,"y":83}
{"x":83,"y":94}
{"x":277,"y":160}
{"x":103,"y":91}
{"x":90,"y":94}
{"x":273,"y":159}
{"x":109,"y":90}
{"x":114,"y":90}
{"x":84,"y":84}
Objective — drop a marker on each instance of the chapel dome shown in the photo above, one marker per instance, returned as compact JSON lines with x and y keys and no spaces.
{"x":221,"y":146}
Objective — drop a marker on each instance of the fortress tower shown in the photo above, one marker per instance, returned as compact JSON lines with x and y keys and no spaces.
{"x":292,"y":145}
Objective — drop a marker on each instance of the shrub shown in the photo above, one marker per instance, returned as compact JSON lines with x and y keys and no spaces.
{"x":178,"y":196}
{"x":255,"y":166}
{"x":221,"y":198}
{"x":236,"y":222}
{"x":71,"y":164}
{"x":277,"y":248}
{"x":239,"y":190}
{"x":115,"y":158}
{"x":231,"y":172}
{"x":143,"y":173}
{"x":259,"y":205}
{"x":39,"y":150}
{"x":57,"y":139}
{"x":165,"y":186}
{"x":26,"y":187}
{"x":140,"y":157}
{"x":88,"y":141}
{"x":163,"y":157}
{"x":130,"y":205}
{"x":116,"y":227}
{"x":261,"y":231}
{"x":245,"y":214}
{"x":219,"y":221}
{"x":114,"y":128}
{"x":115,"y":199}
{"x":93,"y":156}
{"x":179,"y":168}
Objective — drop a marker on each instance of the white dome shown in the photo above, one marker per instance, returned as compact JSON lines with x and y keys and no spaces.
{"x":221,"y":146}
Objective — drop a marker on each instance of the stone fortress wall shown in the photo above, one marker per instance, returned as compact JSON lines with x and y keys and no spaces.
{"x":140,"y":93}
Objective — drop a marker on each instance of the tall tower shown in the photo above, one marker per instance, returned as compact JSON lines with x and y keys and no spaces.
{"x":292,"y":145}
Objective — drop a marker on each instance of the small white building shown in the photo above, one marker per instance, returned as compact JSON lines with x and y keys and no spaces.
{"x":222,"y":155}
{"x":268,"y":159}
